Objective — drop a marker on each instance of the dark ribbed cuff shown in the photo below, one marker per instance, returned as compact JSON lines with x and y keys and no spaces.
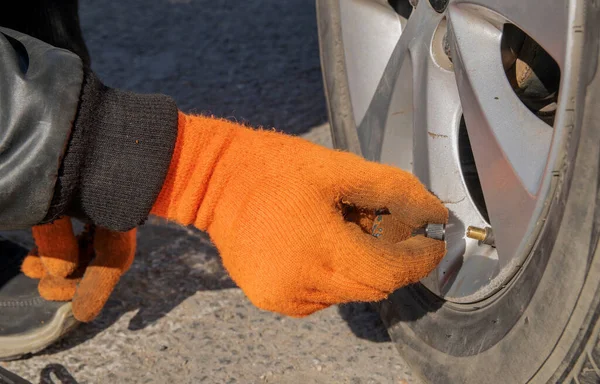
{"x":117,"y":157}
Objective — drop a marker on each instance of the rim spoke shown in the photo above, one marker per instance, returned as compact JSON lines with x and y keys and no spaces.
{"x":545,"y":22}
{"x":371,"y":129}
{"x":367,"y":48}
{"x":421,"y":136}
{"x":510,"y":144}
{"x":397,"y":144}
{"x":436,"y":114}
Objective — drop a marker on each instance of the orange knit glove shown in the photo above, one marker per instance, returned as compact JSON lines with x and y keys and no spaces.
{"x":84,"y":269}
{"x":292,"y":219}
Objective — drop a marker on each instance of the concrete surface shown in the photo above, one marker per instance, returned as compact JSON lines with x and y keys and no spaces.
{"x":254,"y":61}
{"x":175,"y":317}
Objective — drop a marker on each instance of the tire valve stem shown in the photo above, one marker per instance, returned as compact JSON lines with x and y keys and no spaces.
{"x":483,"y":235}
{"x":433,"y":231}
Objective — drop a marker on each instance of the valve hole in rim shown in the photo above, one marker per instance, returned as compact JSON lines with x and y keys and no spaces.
{"x":532,"y":73}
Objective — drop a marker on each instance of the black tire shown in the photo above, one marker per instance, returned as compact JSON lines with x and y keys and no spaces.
{"x":544,"y":326}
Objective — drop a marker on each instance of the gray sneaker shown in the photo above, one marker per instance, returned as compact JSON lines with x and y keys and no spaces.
{"x":28,"y":323}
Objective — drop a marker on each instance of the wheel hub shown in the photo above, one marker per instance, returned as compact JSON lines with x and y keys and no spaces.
{"x":466,"y":102}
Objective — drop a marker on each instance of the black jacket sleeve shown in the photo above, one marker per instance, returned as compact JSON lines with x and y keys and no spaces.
{"x":71,"y":146}
{"x":39,"y":95}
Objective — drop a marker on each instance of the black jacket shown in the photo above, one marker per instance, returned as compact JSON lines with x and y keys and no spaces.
{"x":71,"y":146}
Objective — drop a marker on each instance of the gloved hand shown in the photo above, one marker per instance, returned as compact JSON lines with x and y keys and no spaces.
{"x":84,"y":269}
{"x":292,"y":220}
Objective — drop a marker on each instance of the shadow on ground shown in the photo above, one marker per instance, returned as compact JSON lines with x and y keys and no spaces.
{"x":172,"y":263}
{"x":364,"y":321}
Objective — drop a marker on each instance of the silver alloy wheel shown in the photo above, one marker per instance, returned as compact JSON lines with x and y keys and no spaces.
{"x":408,"y":99}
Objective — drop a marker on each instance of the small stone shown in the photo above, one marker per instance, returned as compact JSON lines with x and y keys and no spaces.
{"x":266,"y":375}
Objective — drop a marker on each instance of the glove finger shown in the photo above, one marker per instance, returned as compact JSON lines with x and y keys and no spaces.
{"x":385,"y":226}
{"x":32,"y":266}
{"x":55,"y":288}
{"x":373,"y":186}
{"x":93,"y":292}
{"x":114,"y":254}
{"x":341,"y":289}
{"x":390,"y":229}
{"x":383,"y":265}
{"x":57,"y":246}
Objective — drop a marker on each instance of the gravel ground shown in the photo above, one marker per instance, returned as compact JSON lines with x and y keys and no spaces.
{"x":254,"y":61}
{"x":176,"y":316}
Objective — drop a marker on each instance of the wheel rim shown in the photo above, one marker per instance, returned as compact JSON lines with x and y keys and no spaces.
{"x":416,"y":81}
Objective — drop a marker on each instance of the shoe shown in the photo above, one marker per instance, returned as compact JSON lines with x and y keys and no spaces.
{"x":28,"y":323}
